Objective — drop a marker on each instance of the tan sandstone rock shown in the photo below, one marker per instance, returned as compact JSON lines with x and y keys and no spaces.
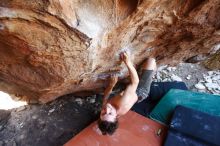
{"x":49,"y":48}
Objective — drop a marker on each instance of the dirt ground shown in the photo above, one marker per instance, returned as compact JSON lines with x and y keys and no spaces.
{"x":55,"y":123}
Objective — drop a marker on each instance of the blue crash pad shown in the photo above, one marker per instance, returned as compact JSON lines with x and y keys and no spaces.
{"x":190,"y":127}
{"x":178,"y":139}
{"x":200,"y":101}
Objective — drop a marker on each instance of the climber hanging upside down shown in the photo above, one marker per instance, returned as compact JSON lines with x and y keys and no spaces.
{"x":120,"y":104}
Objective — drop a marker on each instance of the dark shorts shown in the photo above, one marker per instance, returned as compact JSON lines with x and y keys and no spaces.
{"x":143,"y":88}
{"x":155,"y":91}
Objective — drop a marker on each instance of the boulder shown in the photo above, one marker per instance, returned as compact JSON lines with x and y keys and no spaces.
{"x":213,"y":62}
{"x":49,"y":48}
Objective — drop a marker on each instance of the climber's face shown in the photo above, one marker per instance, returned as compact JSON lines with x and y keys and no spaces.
{"x":108,"y":113}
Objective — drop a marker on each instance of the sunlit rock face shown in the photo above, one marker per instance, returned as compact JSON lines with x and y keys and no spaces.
{"x":50,"y":48}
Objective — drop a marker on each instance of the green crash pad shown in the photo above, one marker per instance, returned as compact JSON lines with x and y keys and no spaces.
{"x":203,"y":102}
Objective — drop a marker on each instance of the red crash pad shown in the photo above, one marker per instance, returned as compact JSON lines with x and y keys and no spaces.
{"x":134,"y":130}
